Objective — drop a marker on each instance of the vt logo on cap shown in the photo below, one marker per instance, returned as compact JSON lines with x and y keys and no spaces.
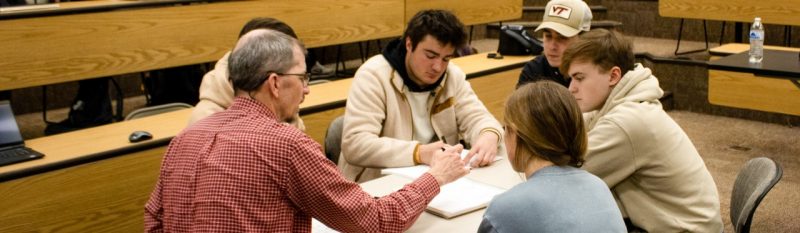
{"x":560,"y":11}
{"x":567,"y":17}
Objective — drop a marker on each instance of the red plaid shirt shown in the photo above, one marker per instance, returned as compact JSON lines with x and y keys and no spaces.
{"x":243,"y":171}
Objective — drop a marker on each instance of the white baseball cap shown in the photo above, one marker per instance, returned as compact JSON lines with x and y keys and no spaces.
{"x":567,"y":17}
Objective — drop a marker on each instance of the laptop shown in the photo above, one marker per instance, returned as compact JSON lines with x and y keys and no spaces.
{"x":12,"y":147}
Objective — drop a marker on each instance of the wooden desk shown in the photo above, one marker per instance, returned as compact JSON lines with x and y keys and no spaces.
{"x":324,"y":103}
{"x":734,"y":48}
{"x":98,"y":143}
{"x":771,"y":86}
{"x":499,"y":174}
{"x":95,"y":181}
{"x":63,"y":48}
{"x":782,"y":12}
{"x":92,"y":188}
{"x":62,"y":8}
{"x":477,"y":65}
{"x":776,"y":63}
{"x":470,"y":12}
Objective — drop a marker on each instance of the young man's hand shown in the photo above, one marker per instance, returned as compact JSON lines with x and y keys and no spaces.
{"x":484,"y":150}
{"x":426,"y":151}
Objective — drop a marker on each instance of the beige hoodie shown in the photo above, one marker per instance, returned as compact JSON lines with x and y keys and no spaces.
{"x":378,"y":126}
{"x":657,"y":176}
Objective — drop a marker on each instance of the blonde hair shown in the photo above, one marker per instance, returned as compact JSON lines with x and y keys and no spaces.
{"x":548,"y":125}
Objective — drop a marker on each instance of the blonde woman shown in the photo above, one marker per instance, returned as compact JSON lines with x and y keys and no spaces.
{"x":546,"y":140}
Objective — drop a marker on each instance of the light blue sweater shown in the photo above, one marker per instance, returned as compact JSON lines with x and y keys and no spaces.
{"x":555,"y":199}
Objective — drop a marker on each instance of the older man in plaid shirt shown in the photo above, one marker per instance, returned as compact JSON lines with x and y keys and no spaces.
{"x":246,"y":170}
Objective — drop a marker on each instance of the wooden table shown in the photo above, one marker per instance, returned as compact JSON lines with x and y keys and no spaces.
{"x":734,"y":48}
{"x":770,"y":86}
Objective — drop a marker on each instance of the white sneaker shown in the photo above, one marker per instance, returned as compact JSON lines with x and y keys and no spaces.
{"x":319,"y":69}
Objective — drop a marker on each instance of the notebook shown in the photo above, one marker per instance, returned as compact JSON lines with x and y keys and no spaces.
{"x":12,"y":147}
{"x":457,"y":198}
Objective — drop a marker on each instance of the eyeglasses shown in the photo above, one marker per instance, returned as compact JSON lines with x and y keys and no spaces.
{"x":304,"y":77}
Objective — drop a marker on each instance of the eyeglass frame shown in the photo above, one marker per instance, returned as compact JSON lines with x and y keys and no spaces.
{"x":305,"y":78}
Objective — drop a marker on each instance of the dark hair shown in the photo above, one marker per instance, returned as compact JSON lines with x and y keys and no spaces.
{"x":441,"y":24}
{"x":267,"y":23}
{"x":601,"y":47}
{"x":261,"y":52}
{"x":548,"y":124}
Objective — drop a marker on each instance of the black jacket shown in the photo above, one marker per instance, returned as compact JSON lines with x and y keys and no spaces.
{"x":539,"y":69}
{"x":395,"y":54}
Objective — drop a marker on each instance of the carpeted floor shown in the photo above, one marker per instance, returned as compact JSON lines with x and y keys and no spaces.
{"x":727,"y":143}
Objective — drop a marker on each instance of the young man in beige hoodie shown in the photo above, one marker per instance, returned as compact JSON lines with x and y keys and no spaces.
{"x":410,"y":101}
{"x":660,"y":182}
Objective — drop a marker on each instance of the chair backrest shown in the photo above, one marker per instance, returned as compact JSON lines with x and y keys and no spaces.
{"x":153,"y":110}
{"x":333,"y":139}
{"x":753,"y":182}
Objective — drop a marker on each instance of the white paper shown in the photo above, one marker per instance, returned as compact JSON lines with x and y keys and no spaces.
{"x":415,"y":172}
{"x":319,"y":227}
{"x":462,"y":196}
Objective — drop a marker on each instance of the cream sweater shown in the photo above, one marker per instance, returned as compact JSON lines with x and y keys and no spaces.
{"x":654,"y":171}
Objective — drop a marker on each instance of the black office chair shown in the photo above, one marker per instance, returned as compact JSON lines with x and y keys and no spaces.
{"x":753,"y":182}
{"x":333,"y":139}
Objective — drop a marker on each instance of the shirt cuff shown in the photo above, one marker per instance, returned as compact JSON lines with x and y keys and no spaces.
{"x":428,"y":186}
{"x":493,"y":130}
{"x":417,"y":160}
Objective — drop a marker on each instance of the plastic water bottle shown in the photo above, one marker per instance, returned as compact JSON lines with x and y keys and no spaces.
{"x":756,"y":41}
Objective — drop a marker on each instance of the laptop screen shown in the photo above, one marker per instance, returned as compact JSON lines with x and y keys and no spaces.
{"x":9,"y":132}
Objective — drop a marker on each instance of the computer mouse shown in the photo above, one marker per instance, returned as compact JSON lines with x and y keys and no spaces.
{"x":139,"y":135}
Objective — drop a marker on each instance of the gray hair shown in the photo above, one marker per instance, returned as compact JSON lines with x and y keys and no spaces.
{"x":259,"y":53}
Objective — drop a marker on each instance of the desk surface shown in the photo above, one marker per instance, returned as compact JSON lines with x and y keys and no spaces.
{"x":469,"y":12}
{"x":783,"y":12}
{"x":478,"y":64}
{"x":63,"y":8}
{"x":734,"y":48}
{"x":776,"y":63}
{"x":499,"y":174}
{"x":92,"y":144}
